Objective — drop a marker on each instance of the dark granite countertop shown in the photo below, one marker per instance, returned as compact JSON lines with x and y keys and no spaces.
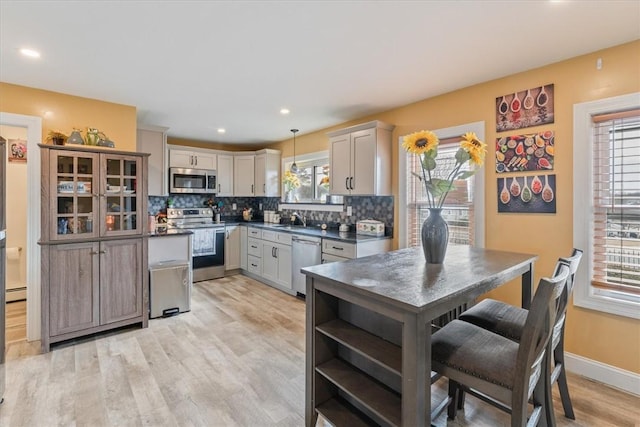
{"x":402,"y":278}
{"x":314,"y":231}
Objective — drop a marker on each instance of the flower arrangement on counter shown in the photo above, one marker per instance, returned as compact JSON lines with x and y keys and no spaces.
{"x":438,"y":176}
{"x":291,"y":181}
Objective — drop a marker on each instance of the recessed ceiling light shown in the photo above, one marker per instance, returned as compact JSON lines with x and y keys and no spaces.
{"x":284,"y":111}
{"x":221,"y":130}
{"x":30,"y":53}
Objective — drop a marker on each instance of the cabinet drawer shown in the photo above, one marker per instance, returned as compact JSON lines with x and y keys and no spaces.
{"x":254,"y":265}
{"x":254,"y":247}
{"x":276,"y":237}
{"x":254,"y":232}
{"x":333,"y":247}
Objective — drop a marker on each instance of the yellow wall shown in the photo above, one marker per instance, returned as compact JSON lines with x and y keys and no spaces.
{"x":65,"y":112}
{"x":609,"y":339}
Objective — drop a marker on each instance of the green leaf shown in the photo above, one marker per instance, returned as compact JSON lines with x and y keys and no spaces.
{"x":466,"y":174}
{"x":440,"y":186}
{"x":428,"y":163}
{"x":462,"y":155}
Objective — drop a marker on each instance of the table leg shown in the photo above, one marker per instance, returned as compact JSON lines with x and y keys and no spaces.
{"x":310,"y":414}
{"x":416,"y":371}
{"x":527,"y":287}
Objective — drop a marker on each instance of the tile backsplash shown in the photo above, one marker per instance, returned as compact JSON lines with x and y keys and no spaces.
{"x":379,"y":208}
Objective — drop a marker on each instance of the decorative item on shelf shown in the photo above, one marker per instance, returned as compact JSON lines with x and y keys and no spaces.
{"x":438,"y":182}
{"x":103,"y":141}
{"x":93,"y":135}
{"x":56,"y":137}
{"x":291,"y":182}
{"x":75,"y":138}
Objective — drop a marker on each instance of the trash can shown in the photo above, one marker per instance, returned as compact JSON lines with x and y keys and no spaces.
{"x":169,"y":288}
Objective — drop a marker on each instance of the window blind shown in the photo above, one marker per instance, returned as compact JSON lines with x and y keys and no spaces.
{"x":458,"y":207}
{"x":616,"y":202}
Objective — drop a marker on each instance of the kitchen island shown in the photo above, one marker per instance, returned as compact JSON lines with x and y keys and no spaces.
{"x":368,"y":339}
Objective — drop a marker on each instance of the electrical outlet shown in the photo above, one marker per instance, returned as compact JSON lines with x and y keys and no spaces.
{"x":260,"y":208}
{"x":349,"y":211}
{"x":234,"y":206}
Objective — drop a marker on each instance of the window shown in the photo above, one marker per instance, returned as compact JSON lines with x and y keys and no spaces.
{"x":464,"y":207}
{"x":312,"y":178}
{"x":607,"y":204}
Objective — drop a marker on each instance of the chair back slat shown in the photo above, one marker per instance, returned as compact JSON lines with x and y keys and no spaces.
{"x":538,"y":328}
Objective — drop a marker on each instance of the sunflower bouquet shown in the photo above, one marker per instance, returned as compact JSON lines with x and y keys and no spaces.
{"x":291,"y":181}
{"x":439,"y":182}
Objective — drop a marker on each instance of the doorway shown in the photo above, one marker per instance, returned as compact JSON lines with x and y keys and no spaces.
{"x":29,"y":252}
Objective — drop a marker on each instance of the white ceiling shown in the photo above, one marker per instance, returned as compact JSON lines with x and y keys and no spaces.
{"x":195,"y":66}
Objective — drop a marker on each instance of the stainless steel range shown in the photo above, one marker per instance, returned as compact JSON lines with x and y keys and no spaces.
{"x":208,"y":240}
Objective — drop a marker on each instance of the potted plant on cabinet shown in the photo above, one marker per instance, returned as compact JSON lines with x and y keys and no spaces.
{"x":56,"y":137}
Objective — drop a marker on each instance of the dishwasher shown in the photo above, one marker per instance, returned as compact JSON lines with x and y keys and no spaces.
{"x":307,"y":251}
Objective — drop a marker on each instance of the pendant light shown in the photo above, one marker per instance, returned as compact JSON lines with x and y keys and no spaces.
{"x":294,"y":167}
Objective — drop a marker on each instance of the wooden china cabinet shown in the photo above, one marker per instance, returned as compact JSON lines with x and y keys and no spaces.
{"x":94,"y":249}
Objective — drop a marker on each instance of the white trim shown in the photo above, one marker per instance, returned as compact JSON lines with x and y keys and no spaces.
{"x":311,"y":207}
{"x":586,"y":295}
{"x":478,"y":188}
{"x":34,"y":137}
{"x":305,"y":157}
{"x":610,"y":375}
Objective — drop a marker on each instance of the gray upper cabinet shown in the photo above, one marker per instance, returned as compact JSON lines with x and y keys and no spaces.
{"x":360,"y":158}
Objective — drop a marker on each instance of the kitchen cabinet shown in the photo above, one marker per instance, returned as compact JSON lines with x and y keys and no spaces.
{"x":337,"y":250}
{"x":153,"y":140}
{"x":243,"y":247}
{"x":276,"y":257}
{"x":93,"y":240}
{"x":192,"y":159}
{"x":232,"y":247}
{"x":267,"y":173}
{"x":243,"y":175}
{"x":269,"y":257}
{"x":225,"y":175}
{"x":360,"y":159}
{"x":92,"y":194}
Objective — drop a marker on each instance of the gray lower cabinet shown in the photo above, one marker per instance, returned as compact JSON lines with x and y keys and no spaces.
{"x":91,"y":287}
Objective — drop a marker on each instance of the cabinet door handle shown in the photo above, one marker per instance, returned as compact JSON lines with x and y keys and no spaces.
{"x":227,"y":235}
{"x":276,"y":251}
{"x":93,"y":253}
{"x":196,"y":157}
{"x":251,"y":188}
{"x":102,"y":252}
{"x":351,"y":183}
{"x":346,"y":183}
{"x":273,"y":252}
{"x":264,"y":188}
{"x":219,"y":188}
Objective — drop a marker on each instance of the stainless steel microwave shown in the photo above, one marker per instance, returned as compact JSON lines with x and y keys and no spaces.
{"x":192,"y":181}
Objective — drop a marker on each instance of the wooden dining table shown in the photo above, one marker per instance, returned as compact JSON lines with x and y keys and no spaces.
{"x":369,"y":324}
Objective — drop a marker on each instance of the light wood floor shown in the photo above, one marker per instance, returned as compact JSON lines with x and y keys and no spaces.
{"x":237,"y":359}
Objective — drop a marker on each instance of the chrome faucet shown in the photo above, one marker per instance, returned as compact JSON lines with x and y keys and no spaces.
{"x":301,"y":218}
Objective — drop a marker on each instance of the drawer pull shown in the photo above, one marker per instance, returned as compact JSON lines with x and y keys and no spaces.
{"x":337,"y":248}
{"x":254,"y":265}
{"x":254,"y":247}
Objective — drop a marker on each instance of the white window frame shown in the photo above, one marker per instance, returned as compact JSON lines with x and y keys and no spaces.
{"x":478,"y":183}
{"x":585,"y":295}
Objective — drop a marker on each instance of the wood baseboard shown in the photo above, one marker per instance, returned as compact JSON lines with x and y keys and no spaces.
{"x":610,"y":375}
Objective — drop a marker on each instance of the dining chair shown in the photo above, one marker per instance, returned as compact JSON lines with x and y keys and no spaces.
{"x":509,"y":321}
{"x":498,"y":370}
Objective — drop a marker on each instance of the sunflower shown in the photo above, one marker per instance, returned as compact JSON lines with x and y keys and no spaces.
{"x":475,"y":147}
{"x":291,"y":180}
{"x":420,"y":142}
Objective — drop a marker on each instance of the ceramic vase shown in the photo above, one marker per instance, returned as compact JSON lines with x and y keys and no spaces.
{"x":435,"y":237}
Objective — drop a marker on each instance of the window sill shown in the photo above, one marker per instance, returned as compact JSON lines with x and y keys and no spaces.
{"x":320,"y":207}
{"x":608,"y":302}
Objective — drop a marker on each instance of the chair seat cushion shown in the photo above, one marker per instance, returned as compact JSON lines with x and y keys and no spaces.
{"x":498,"y":317}
{"x":464,"y":347}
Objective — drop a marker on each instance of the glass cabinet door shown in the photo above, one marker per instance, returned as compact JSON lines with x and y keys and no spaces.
{"x":122,"y":204}
{"x":75,"y":210}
